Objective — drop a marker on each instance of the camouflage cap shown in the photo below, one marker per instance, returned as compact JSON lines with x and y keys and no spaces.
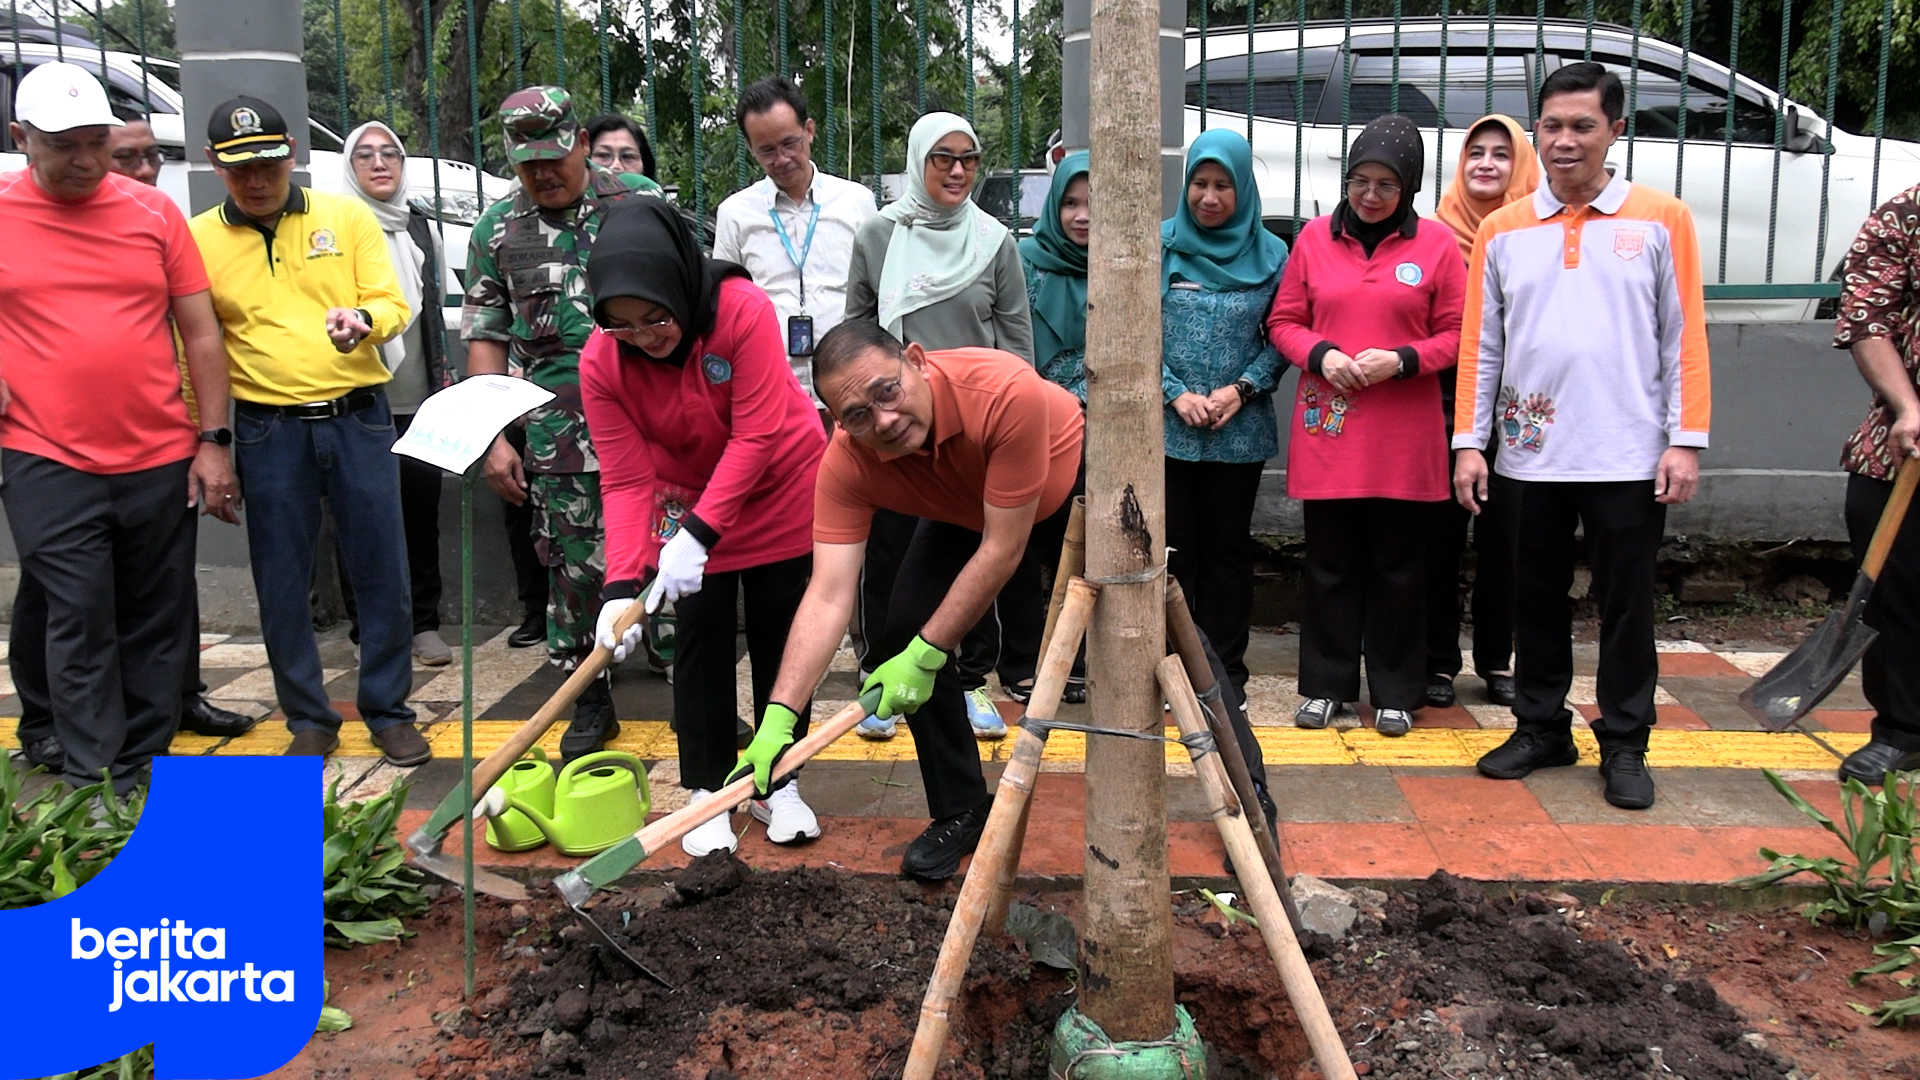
{"x":539,"y":124}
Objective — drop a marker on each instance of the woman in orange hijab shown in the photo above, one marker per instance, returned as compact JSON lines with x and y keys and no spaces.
{"x":1497,"y":166}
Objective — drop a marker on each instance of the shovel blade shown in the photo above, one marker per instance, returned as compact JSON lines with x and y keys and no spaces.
{"x":1805,"y":677}
{"x":453,"y":870}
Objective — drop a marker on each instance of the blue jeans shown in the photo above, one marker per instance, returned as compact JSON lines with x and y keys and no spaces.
{"x":287,"y":465}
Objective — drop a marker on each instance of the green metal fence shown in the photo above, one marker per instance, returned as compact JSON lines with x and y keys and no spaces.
{"x":1729,"y":101}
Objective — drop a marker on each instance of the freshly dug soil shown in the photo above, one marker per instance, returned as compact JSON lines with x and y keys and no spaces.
{"x":816,"y":973}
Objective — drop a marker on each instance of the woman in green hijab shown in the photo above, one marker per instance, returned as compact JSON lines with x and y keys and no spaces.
{"x":1055,"y":257}
{"x":1218,"y":371}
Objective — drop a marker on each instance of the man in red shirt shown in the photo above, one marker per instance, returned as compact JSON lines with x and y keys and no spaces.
{"x":102,"y":465}
{"x":975,"y":442}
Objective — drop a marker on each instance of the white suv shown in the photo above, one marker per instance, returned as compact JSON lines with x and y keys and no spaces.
{"x":1362,"y":62}
{"x":154,"y":89}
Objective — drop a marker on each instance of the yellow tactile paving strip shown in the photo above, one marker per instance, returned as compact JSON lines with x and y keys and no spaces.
{"x":653,"y":741}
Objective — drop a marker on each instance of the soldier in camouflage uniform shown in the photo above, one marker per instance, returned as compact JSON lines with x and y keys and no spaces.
{"x":527,"y":305}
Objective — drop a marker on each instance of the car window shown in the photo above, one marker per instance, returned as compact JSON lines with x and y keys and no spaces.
{"x":1371,"y":93}
{"x":1033,"y":194}
{"x":1279,"y":77}
{"x":125,"y":93}
{"x":1655,"y":101}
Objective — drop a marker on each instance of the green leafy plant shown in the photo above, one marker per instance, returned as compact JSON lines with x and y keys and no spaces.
{"x":1876,"y":886}
{"x":367,"y":885}
{"x":137,"y":1065}
{"x":332,"y":1017}
{"x":57,"y":839}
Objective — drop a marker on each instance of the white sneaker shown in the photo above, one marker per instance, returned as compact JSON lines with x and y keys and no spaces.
{"x":716,"y":834}
{"x":786,"y":815}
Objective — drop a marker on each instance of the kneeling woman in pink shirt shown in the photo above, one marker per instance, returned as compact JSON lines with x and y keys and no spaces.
{"x":708,"y":449}
{"x":1369,"y":307}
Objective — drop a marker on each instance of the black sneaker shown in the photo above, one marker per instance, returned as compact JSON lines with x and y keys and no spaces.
{"x":593,"y":724}
{"x":1440,"y":691}
{"x":1500,"y":690}
{"x":1629,"y":784}
{"x":935,"y":854}
{"x":531,"y":631}
{"x":48,"y":754}
{"x":1525,"y":751}
{"x":1392,"y":723}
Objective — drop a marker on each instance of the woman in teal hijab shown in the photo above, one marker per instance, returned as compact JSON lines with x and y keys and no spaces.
{"x":1220,"y":267}
{"x":1055,"y":257}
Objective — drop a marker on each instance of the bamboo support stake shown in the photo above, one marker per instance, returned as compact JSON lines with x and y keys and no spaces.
{"x":995,"y":861}
{"x":1185,"y":638}
{"x":1073,"y":563}
{"x":1261,"y":895}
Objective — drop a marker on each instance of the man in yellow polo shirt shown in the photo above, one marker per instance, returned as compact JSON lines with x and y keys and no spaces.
{"x":305,"y":289}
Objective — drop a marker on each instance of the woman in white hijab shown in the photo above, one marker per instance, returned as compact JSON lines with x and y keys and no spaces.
{"x":934,"y":269}
{"x":376,"y":168}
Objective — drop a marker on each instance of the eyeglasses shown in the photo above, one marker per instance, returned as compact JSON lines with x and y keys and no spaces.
{"x":859,"y":419}
{"x":1386,"y":189}
{"x":627,"y":333}
{"x":389,"y":154}
{"x":607,"y":156}
{"x":153,"y":156}
{"x":787,"y":147}
{"x":944,"y":162}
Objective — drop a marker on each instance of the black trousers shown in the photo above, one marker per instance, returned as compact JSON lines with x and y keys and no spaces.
{"x":420,"y":518}
{"x":1492,"y":588}
{"x":1364,"y":592}
{"x":1890,"y":673}
{"x":1623,"y":527}
{"x":1210,"y":528}
{"x":529,"y":574}
{"x":887,"y":542}
{"x":934,"y":557}
{"x":27,"y":660}
{"x":704,"y":705}
{"x":114,"y":555}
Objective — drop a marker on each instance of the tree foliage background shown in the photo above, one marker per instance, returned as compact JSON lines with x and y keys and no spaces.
{"x":702,"y":50}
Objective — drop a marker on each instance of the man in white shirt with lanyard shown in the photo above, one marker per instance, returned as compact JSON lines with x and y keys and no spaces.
{"x":793,"y":231}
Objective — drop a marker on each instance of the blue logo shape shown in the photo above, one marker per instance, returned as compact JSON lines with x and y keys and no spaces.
{"x":203,"y":936}
{"x":1407,"y":273}
{"x":717,"y":370}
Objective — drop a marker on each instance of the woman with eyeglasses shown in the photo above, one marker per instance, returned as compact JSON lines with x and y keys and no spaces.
{"x":937,"y":271}
{"x":1369,"y":310}
{"x":1219,"y":269}
{"x":708,"y":450}
{"x":376,"y":168}
{"x":1497,"y":166}
{"x":620,"y":145}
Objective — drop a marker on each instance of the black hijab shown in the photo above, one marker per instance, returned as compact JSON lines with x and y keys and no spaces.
{"x":646,"y":250}
{"x":1393,"y":141}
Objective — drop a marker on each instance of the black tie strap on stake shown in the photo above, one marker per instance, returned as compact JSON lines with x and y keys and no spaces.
{"x":1198,"y":745}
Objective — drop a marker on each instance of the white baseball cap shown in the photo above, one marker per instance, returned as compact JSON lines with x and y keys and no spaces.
{"x":60,"y":97}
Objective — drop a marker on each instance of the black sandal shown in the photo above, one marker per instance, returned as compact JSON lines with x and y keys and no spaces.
{"x":1075,"y":692}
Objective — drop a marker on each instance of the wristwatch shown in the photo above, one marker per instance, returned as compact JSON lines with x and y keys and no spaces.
{"x":1245,"y":386}
{"x":218,"y":436}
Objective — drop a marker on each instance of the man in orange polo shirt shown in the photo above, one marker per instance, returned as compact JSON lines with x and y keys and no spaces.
{"x":987,"y":452}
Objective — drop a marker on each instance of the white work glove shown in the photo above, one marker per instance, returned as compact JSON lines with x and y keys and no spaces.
{"x":610,"y":613}
{"x":683,"y":561}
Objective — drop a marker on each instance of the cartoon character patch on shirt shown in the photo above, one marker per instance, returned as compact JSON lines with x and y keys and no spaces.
{"x":670,"y":505}
{"x":1336,"y":418}
{"x":1310,"y":406}
{"x":321,"y":244}
{"x":1523,"y":421}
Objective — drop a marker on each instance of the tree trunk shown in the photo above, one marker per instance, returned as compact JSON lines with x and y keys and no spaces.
{"x":451,"y":88}
{"x":1126,"y":983}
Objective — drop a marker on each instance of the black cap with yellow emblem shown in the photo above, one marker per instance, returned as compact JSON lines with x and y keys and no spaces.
{"x":245,"y":129}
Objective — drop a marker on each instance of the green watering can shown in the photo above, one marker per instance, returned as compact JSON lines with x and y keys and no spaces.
{"x":598,"y":801}
{"x":531,"y":780}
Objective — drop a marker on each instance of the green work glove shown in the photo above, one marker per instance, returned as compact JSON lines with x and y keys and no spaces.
{"x":774,"y":734}
{"x":906,"y":681}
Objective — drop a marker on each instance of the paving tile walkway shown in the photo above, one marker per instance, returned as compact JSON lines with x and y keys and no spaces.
{"x":1354,"y":805}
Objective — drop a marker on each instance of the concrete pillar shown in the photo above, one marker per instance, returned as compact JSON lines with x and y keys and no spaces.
{"x":230,"y":47}
{"x":1075,"y":70}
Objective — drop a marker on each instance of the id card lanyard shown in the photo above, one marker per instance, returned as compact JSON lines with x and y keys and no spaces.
{"x":799,"y":261}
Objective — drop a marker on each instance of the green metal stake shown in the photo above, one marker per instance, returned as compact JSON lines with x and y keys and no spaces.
{"x":466,"y":711}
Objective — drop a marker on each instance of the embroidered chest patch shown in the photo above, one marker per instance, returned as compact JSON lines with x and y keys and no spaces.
{"x":321,"y":244}
{"x":1408,"y":273}
{"x":1629,"y":243}
{"x":715,"y":369}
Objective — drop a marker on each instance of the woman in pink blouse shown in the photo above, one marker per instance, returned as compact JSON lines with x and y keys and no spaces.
{"x":708,"y":449}
{"x":1369,"y":308}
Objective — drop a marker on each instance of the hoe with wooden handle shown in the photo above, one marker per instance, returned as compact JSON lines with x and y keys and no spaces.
{"x":425,"y":842}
